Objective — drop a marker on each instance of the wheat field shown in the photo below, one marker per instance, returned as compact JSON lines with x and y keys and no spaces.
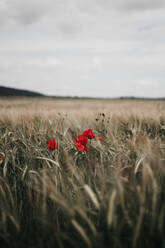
{"x":112,"y":196}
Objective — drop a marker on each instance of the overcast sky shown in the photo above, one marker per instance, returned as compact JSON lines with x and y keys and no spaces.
{"x":100,"y":48}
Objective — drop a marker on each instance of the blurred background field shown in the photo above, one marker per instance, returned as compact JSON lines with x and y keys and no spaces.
{"x":112,"y":196}
{"x":48,"y":107}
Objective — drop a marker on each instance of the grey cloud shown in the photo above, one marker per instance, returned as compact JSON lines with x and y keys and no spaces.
{"x":59,"y":16}
{"x":131,"y":4}
{"x":141,"y":4}
{"x":27,"y":12}
{"x":125,"y":5}
{"x":24,"y":12}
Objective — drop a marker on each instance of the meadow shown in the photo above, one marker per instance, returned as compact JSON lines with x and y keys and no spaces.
{"x":111,"y":196}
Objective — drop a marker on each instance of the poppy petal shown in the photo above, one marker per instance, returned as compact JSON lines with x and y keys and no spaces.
{"x":88,"y":133}
{"x":82,"y":139}
{"x":80,"y":146}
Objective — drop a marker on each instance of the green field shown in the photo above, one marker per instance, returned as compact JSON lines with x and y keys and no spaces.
{"x":112,"y":196}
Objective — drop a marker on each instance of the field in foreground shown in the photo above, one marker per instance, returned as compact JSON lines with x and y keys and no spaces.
{"x":112,"y":196}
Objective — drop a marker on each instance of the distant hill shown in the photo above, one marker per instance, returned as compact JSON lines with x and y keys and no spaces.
{"x":6,"y":91}
{"x":11,"y":92}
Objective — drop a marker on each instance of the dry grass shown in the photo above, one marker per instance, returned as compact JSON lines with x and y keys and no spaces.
{"x":112,"y":196}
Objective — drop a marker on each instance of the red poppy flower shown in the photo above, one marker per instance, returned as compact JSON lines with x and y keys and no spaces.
{"x":52,"y":145}
{"x":100,"y":138}
{"x":82,"y":139}
{"x":79,"y":145}
{"x":86,"y":149}
{"x":89,"y":134}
